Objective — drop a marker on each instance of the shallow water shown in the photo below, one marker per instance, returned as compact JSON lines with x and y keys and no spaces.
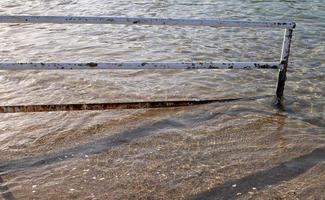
{"x":246,"y":149}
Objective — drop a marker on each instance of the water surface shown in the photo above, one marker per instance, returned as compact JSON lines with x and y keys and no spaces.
{"x":247,"y":149}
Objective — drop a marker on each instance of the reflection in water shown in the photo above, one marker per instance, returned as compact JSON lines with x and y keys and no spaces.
{"x":280,"y":121}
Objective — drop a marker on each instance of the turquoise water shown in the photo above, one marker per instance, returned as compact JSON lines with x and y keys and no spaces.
{"x":246,"y":149}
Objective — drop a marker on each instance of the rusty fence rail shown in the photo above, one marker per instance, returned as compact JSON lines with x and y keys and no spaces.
{"x":281,"y":65}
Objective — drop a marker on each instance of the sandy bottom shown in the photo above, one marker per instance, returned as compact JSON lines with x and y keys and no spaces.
{"x":172,"y":154}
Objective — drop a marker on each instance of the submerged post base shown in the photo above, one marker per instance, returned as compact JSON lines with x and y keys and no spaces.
{"x":281,"y":82}
{"x":280,"y":87}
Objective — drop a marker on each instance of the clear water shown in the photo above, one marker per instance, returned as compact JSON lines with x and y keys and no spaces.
{"x":245,"y":149}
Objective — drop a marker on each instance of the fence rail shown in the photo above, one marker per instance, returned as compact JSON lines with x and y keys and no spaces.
{"x":141,"y":65}
{"x":282,"y":65}
{"x":144,"y":21}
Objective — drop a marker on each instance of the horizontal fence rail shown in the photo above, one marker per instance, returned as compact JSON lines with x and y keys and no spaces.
{"x":122,"y":105}
{"x":282,"y":65}
{"x":104,"y":106}
{"x":141,"y":65}
{"x":144,"y":21}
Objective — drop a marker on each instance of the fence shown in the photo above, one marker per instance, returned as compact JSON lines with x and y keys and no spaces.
{"x":281,"y":65}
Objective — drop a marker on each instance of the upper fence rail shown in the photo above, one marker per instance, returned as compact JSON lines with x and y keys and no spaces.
{"x":146,"y":21}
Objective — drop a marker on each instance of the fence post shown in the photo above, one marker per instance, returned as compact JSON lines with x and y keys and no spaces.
{"x":284,"y":65}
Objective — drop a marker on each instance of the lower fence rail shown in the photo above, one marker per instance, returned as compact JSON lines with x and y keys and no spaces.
{"x":120,"y":105}
{"x":101,"y":106}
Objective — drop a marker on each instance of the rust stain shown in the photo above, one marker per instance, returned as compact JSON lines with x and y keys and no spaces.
{"x":91,"y":64}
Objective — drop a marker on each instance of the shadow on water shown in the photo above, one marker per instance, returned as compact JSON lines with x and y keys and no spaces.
{"x":5,"y":192}
{"x":283,"y":172}
{"x":109,"y":142}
